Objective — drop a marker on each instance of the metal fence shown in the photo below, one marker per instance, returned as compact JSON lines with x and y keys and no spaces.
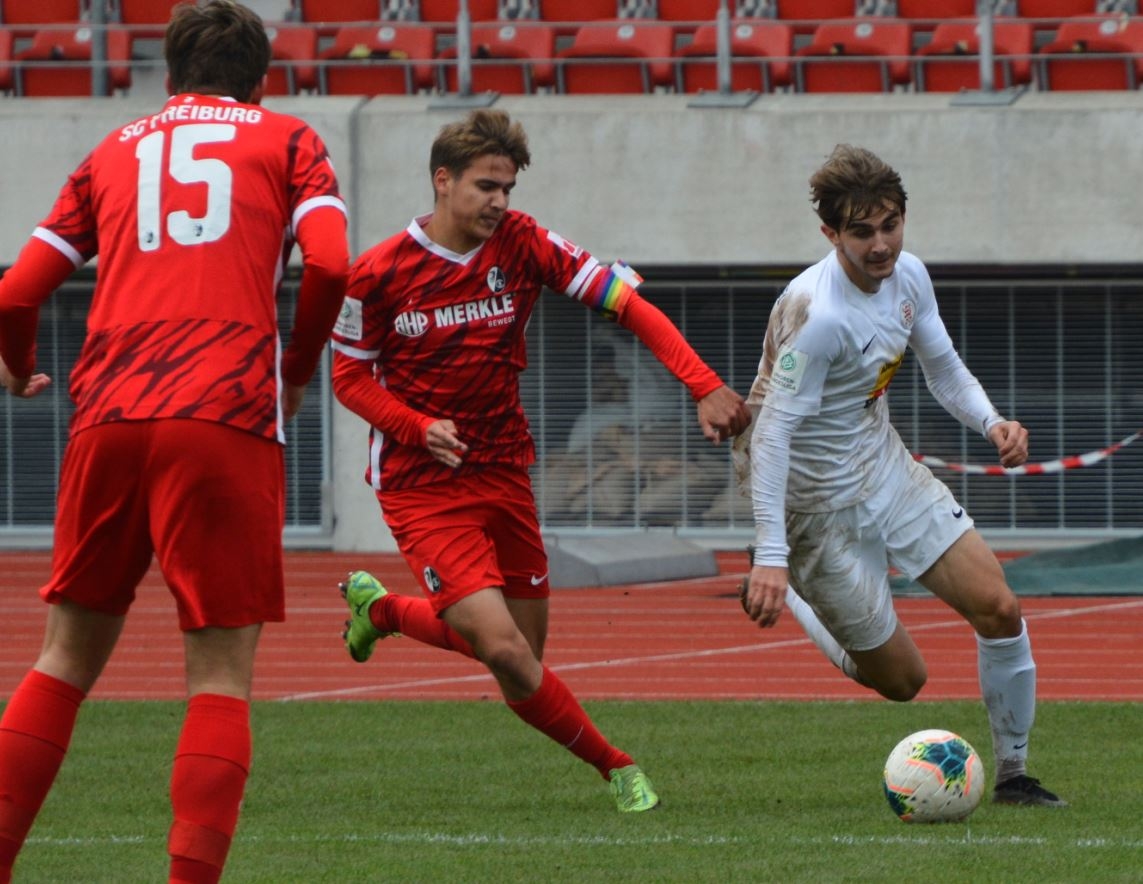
{"x":35,"y":430}
{"x":1062,"y":355}
{"x":617,"y":442}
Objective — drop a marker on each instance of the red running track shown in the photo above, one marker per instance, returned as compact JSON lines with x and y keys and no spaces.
{"x":667,"y":641}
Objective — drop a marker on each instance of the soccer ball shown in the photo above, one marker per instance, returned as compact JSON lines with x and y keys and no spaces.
{"x":933,"y":776}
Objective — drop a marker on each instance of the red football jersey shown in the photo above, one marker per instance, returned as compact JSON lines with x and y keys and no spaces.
{"x":443,"y":335}
{"x":191,"y":211}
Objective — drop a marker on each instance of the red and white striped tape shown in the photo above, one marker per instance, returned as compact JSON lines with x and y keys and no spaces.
{"x":1031,"y":469}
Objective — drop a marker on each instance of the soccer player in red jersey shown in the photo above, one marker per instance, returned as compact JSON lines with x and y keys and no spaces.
{"x":181,"y":391}
{"x":428,"y":350}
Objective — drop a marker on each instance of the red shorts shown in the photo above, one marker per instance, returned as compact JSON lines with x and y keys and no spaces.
{"x":471,"y":533}
{"x":206,"y":499}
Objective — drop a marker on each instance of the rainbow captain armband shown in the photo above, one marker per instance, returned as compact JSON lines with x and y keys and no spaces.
{"x":609,"y":294}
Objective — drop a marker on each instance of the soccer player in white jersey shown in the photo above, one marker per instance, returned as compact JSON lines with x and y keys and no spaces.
{"x":837,"y":497}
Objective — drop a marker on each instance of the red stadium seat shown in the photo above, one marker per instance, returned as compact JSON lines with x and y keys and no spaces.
{"x":690,"y":10}
{"x":22,"y":13}
{"x":1093,"y":53}
{"x":7,"y":82}
{"x":1054,"y":9}
{"x":862,"y":55}
{"x":767,"y":44}
{"x":445,"y":11}
{"x":927,"y":14}
{"x":144,"y":18}
{"x":335,"y":11}
{"x":293,"y":66}
{"x":577,"y":11}
{"x":806,"y":15}
{"x":627,"y":55}
{"x":951,"y":60}
{"x":58,"y":63}
{"x":381,"y":59}
{"x":512,"y":57}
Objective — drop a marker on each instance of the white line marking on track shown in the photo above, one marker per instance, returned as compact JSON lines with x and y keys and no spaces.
{"x":675,"y":657}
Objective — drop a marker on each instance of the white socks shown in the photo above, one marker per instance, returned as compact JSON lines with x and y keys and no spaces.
{"x":819,"y":635}
{"x":1008,"y":686}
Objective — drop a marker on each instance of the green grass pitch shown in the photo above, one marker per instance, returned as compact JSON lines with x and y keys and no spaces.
{"x":464,"y":792}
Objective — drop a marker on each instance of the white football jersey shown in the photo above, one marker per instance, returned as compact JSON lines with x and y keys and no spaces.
{"x":830,"y":353}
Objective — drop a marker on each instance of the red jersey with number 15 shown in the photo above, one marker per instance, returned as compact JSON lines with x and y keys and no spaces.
{"x":443,"y":333}
{"x":191,"y":211}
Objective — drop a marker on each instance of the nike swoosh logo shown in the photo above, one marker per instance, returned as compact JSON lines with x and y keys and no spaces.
{"x":536,"y":581}
{"x":958,"y":513}
{"x":1021,"y":746}
{"x":871,"y":340}
{"x":357,"y":608}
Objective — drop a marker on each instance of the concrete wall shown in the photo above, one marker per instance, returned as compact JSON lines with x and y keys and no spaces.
{"x":1051,"y":179}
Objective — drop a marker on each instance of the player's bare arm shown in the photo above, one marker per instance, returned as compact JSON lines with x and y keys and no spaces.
{"x":25,"y":388}
{"x":766,"y":594}
{"x":722,"y":414}
{"x":1011,"y":441}
{"x":443,"y":443}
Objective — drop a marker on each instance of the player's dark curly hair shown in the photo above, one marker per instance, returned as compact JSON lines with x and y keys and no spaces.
{"x":482,"y":132}
{"x":853,"y":184}
{"x":219,"y":48}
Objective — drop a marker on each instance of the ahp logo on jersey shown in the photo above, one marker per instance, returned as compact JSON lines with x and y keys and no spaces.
{"x":411,"y":324}
{"x":497,"y":280}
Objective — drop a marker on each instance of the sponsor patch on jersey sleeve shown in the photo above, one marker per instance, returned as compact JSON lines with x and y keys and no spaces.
{"x":789,"y":369}
{"x":349,"y":324}
{"x":567,"y":245}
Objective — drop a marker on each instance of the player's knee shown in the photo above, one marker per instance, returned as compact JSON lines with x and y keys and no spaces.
{"x":903,"y":685}
{"x":1000,"y":617}
{"x":508,"y":656}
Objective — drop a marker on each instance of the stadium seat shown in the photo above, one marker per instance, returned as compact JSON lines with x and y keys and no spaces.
{"x":577,"y":11}
{"x":7,"y":83}
{"x":335,"y":11}
{"x":862,"y":55}
{"x":514,"y":58}
{"x":950,"y":61}
{"x":1054,"y":9}
{"x":382,"y":59}
{"x":20,"y":14}
{"x":143,"y":18}
{"x":925,"y":15}
{"x":445,"y":11}
{"x":806,"y":15}
{"x":690,"y":10}
{"x":1093,"y":53}
{"x":767,"y":44}
{"x":623,"y":55}
{"x":293,"y":67}
{"x":58,"y":63}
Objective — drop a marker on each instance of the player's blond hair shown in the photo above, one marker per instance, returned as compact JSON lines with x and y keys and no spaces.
{"x":219,"y":48}
{"x":481,"y":133}
{"x":853,"y":184}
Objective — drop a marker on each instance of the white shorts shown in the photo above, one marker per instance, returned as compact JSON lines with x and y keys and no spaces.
{"x":840,"y":560}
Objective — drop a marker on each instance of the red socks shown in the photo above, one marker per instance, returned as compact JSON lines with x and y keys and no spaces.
{"x":212,"y":762}
{"x":415,"y":618}
{"x":553,"y":711}
{"x":34,"y":736}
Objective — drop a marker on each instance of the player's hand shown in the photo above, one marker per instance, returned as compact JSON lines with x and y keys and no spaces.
{"x":764,"y":594}
{"x":722,"y":414}
{"x":25,"y":388}
{"x":1011,"y":441}
{"x":443,"y":443}
{"x":292,"y":397}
